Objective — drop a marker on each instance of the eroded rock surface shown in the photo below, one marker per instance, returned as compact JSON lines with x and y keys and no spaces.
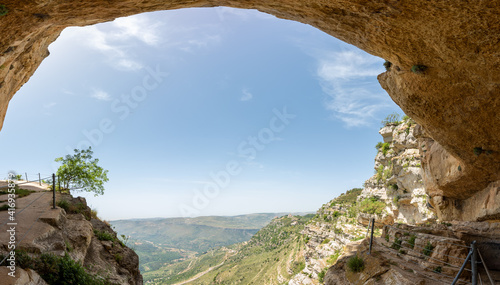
{"x":398,"y":179}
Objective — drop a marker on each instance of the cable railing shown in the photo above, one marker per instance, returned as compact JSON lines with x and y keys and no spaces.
{"x":14,"y":212}
{"x":401,"y":245}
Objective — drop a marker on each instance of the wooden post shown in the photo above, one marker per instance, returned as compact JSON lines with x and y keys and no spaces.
{"x":39,"y":179}
{"x":26,"y":176}
{"x":53,"y":191}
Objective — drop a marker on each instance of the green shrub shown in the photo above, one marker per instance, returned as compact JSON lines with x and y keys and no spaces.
{"x":103,"y":235}
{"x":4,"y":207}
{"x":372,"y":206}
{"x":78,"y":208}
{"x":333,"y":257}
{"x":418,"y":69}
{"x":379,"y":172}
{"x":393,"y":187}
{"x":321,"y":275}
{"x":383,"y":147}
{"x":58,"y":270}
{"x":387,"y":173}
{"x":358,"y":238}
{"x":396,"y":244}
{"x":387,"y":65}
{"x":356,"y":264}
{"x":391,"y":119}
{"x":23,"y":260}
{"x":477,"y":151}
{"x":387,"y":237}
{"x":428,"y":249}
{"x":395,"y":200}
{"x":118,"y":257}
{"x":298,"y":266}
{"x":3,"y":10}
{"x":325,"y":241}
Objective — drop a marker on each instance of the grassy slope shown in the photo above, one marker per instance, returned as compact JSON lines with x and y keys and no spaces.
{"x":276,"y":250}
{"x":272,"y":256}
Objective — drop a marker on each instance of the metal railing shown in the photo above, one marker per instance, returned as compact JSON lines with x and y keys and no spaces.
{"x":425,"y":253}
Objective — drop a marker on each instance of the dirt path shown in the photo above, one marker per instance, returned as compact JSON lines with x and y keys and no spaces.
{"x":29,"y":211}
{"x":200,"y":274}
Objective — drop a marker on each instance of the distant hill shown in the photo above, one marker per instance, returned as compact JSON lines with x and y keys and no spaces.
{"x":161,"y":241}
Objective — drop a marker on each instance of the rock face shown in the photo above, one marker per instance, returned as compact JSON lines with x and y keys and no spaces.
{"x":443,"y":176}
{"x":398,"y":177}
{"x":87,"y":240}
{"x":326,"y":235}
{"x":455,"y":99}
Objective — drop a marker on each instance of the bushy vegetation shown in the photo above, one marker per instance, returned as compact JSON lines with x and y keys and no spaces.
{"x":4,"y":207}
{"x":372,"y":206}
{"x":104,"y":235}
{"x":387,"y":65}
{"x":58,"y":270}
{"x":74,"y":208}
{"x":391,"y":119}
{"x":349,"y":197}
{"x":411,"y":241}
{"x":333,"y":258}
{"x":396,"y":244}
{"x":383,"y":147}
{"x":19,"y":192}
{"x":356,"y":264}
{"x":321,"y":275}
{"x":298,"y":266}
{"x":3,"y":10}
{"x":418,"y":69}
{"x":428,"y":249}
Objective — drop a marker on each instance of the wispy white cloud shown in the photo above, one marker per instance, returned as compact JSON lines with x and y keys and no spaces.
{"x":138,"y":27}
{"x":100,"y":95}
{"x":242,"y":14}
{"x":67,"y":92}
{"x":114,"y":39}
{"x":348,"y":78}
{"x":49,"y":105}
{"x":246,"y":95}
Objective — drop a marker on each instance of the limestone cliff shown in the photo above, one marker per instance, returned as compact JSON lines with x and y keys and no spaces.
{"x":326,"y":235}
{"x":71,"y":230}
{"x":398,"y":177}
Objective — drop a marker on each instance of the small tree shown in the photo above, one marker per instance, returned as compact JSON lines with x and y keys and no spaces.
{"x":80,"y":172}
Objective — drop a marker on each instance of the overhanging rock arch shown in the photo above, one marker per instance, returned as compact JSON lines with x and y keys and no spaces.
{"x":456,"y":99}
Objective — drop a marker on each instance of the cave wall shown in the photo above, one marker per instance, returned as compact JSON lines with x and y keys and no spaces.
{"x":456,"y":100}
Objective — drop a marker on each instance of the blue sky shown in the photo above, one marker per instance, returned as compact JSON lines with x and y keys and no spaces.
{"x":213,"y":111}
